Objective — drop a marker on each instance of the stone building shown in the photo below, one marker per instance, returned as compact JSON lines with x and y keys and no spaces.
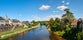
{"x":3,"y":21}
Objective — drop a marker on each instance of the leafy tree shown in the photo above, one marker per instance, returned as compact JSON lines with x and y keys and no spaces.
{"x":33,"y":21}
{"x":68,"y":17}
{"x":79,"y":36}
{"x":57,"y":24}
{"x":51,"y":24}
{"x":54,"y":24}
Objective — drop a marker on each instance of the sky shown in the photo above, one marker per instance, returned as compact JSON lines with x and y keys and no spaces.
{"x":39,"y":9}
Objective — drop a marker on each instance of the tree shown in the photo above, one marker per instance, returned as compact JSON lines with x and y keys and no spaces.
{"x":68,"y":17}
{"x":33,"y":21}
{"x":54,"y":24}
{"x":51,"y":24}
{"x":57,"y":24}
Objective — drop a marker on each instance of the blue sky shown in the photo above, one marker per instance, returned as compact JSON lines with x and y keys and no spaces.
{"x":39,"y":9}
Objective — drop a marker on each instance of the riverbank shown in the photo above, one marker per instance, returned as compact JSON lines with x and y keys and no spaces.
{"x":8,"y":34}
{"x":55,"y":35}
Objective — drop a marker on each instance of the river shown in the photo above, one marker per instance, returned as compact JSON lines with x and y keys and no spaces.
{"x":40,"y":33}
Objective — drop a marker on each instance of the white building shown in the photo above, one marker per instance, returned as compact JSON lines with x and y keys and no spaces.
{"x":3,"y":21}
{"x":15,"y":22}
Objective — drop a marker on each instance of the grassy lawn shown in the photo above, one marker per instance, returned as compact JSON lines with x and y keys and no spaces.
{"x":6,"y":34}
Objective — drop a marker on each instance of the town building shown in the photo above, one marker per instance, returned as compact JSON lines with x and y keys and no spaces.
{"x":74,"y":23}
{"x":3,"y":21}
{"x":7,"y":24}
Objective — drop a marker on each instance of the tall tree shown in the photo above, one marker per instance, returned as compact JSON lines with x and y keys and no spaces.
{"x":57,"y":24}
{"x":68,"y":17}
{"x":51,"y":24}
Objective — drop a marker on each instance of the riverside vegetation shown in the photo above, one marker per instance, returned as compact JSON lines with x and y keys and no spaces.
{"x":6,"y":34}
{"x":64,"y":27}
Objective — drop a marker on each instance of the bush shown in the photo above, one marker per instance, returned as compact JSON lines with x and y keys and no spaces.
{"x":79,"y":35}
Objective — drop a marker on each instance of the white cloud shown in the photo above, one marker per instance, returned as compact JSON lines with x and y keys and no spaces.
{"x":67,"y":3}
{"x":63,"y":1}
{"x":44,"y":7}
{"x":62,"y":7}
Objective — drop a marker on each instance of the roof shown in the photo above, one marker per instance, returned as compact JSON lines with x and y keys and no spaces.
{"x":1,"y":18}
{"x":15,"y":20}
{"x":25,"y":22}
{"x":74,"y":22}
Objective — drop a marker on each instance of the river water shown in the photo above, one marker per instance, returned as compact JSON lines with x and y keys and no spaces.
{"x":40,"y":33}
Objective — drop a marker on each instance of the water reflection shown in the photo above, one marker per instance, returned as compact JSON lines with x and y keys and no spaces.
{"x":40,"y":33}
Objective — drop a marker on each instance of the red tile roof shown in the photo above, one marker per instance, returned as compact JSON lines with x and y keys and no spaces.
{"x":74,"y":22}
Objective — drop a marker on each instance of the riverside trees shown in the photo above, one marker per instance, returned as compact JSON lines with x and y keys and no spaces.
{"x":63,"y":26}
{"x":67,"y":18}
{"x":58,"y":23}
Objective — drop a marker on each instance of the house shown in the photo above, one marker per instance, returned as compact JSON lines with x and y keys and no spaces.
{"x":25,"y":22}
{"x":7,"y":24}
{"x":74,"y":23}
{"x":25,"y":26}
{"x":3,"y":21}
{"x":15,"y":22}
{"x":4,"y":24}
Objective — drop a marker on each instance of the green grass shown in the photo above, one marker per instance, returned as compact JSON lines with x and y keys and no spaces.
{"x":18,"y":30}
{"x":60,"y":33}
{"x":6,"y":32}
{"x":10,"y":33}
